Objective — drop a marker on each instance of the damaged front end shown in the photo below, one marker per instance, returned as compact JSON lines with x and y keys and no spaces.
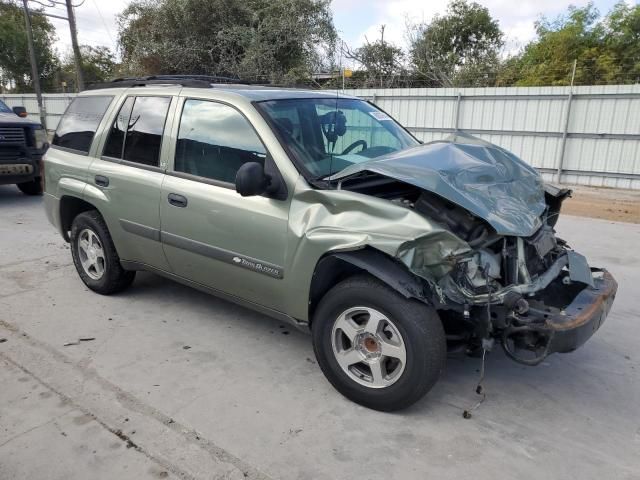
{"x":514,"y":281}
{"x":534,"y":295}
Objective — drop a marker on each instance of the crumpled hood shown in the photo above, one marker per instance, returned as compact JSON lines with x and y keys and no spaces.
{"x":483,"y":178}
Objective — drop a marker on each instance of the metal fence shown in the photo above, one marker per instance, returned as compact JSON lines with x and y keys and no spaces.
{"x":590,"y":135}
{"x":580,"y":135}
{"x":54,"y":105}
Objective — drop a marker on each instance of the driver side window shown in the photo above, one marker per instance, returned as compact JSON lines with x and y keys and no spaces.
{"x":361,"y":127}
{"x":214,"y":141}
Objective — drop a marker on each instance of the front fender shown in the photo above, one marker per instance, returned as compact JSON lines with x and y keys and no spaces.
{"x":390,"y":272}
{"x":323,"y":222}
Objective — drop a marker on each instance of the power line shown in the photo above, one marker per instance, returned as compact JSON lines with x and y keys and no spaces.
{"x":103,"y":21}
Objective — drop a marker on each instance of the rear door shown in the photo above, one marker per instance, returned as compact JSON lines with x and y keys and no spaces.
{"x":73,"y":145}
{"x":126,"y":179}
{"x":212,"y":235}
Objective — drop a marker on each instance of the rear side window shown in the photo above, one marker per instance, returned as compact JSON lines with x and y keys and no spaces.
{"x":115,"y":142}
{"x":136,"y":133}
{"x":215,"y":140}
{"x":79,"y":123}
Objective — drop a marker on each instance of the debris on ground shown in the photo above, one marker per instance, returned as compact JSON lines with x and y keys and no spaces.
{"x":81,"y":339}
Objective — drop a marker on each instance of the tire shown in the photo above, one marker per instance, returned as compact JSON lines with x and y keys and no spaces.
{"x":34,"y":187}
{"x":414,"y":325}
{"x":95,"y":256}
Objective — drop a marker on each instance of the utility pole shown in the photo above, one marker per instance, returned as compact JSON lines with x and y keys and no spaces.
{"x":74,"y":35}
{"x":74,"y":44}
{"x":35,"y":76}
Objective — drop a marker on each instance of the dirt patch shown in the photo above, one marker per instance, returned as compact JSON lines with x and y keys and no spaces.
{"x":604,"y":203}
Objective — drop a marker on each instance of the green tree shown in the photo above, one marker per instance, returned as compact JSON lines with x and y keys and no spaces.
{"x":279,"y":40}
{"x":15,"y":69}
{"x":622,"y":43}
{"x":548,"y":60}
{"x":382,"y":62}
{"x":606,"y":50}
{"x":459,"y":48}
{"x":98,"y":65}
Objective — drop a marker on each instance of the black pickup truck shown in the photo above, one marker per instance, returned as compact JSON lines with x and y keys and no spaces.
{"x":22,"y":144}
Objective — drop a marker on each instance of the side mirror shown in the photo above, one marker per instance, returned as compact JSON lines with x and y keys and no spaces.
{"x":251,"y":180}
{"x":20,"y":111}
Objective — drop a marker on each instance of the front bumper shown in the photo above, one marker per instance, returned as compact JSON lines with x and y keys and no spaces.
{"x":17,"y":173}
{"x":584,"y":316}
{"x":566,"y":329}
{"x":17,"y":166}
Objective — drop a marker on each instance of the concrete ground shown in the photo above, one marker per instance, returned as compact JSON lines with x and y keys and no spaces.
{"x":178,"y":384}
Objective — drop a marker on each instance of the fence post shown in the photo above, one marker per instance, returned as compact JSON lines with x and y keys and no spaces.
{"x":374,"y":98}
{"x":457,"y":119}
{"x":563,"y":142}
{"x":567,"y":116}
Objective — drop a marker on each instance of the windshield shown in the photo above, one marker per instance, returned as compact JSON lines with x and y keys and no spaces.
{"x":4,"y":108}
{"x":326,"y":135}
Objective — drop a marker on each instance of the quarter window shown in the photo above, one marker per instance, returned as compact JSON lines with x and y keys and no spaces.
{"x":79,"y":123}
{"x":136,"y":133}
{"x":215,"y":140}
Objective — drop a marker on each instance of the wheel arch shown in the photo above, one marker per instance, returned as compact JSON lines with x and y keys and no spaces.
{"x":334,"y":267}
{"x":70,"y":208}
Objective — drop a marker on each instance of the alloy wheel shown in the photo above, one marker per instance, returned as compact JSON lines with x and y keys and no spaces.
{"x":91,"y":254}
{"x":368,"y":347}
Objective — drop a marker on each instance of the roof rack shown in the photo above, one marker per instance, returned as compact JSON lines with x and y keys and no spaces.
{"x":196,"y":81}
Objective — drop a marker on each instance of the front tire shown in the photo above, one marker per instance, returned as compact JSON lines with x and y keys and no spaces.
{"x":95,"y":257}
{"x":34,"y":187}
{"x":376,"y":347}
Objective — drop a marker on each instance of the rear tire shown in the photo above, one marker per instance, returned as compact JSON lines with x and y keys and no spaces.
{"x":34,"y":187}
{"x":394,"y":366}
{"x":95,"y":257}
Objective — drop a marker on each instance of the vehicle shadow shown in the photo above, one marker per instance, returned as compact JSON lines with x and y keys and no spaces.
{"x":558,"y":376}
{"x":10,"y":196}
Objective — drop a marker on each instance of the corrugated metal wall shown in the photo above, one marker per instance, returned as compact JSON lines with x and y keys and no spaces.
{"x":601,"y":140}
{"x":593,"y":132}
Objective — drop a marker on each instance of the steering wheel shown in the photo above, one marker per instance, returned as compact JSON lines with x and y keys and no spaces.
{"x":354,"y":145}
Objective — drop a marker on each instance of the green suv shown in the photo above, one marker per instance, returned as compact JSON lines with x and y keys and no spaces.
{"x":320,"y":210}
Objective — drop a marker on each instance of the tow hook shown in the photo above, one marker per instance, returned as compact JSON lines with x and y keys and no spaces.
{"x":534,"y":338}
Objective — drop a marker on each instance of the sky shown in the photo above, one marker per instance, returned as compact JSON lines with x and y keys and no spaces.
{"x":355,"y":20}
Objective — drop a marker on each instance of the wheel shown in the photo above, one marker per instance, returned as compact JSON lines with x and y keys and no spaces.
{"x":95,"y":256}
{"x":34,"y":187}
{"x":375,"y":346}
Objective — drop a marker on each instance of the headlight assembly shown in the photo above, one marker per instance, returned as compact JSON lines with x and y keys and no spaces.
{"x":41,"y":139}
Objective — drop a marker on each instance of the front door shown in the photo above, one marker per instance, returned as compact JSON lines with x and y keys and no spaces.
{"x":211,"y":235}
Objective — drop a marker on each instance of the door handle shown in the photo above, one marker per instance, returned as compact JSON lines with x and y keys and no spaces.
{"x":101,"y":181}
{"x":177,"y":200}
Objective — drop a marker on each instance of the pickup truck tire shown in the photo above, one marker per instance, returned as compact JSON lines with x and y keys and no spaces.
{"x":34,"y":187}
{"x":95,"y":256}
{"x":375,"y":346}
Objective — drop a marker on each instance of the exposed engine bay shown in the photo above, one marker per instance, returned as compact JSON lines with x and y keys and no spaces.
{"x":519,"y":291}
